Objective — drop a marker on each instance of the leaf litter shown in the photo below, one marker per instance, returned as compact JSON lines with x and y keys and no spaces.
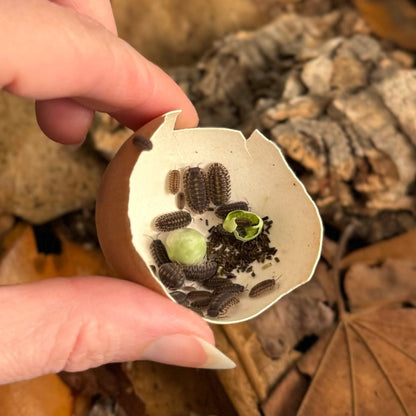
{"x":366,"y":364}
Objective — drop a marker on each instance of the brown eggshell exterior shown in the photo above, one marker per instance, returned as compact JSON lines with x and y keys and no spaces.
{"x":113,"y":224}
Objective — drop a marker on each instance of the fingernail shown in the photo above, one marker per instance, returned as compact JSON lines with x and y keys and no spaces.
{"x":186,"y":351}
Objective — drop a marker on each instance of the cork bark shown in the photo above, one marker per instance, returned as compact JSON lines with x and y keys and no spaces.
{"x":339,"y":103}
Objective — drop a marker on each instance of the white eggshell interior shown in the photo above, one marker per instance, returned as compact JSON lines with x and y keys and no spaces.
{"x":259,"y":175}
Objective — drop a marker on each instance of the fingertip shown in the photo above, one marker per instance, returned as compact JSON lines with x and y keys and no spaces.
{"x":63,"y":120}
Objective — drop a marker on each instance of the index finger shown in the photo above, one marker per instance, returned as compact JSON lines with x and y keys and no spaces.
{"x":74,"y":56}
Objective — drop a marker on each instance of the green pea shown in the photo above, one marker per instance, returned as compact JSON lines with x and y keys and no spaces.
{"x":186,"y":246}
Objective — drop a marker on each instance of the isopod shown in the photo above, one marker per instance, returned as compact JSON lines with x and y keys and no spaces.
{"x":171,"y":275}
{"x":216,"y":282}
{"x":158,"y":251}
{"x":195,"y":187}
{"x":219,"y":185}
{"x":234,"y":288}
{"x":143,"y":143}
{"x":243,"y":222}
{"x":174,"y":178}
{"x":179,"y":296}
{"x":172,"y":220}
{"x":221,"y":303}
{"x":196,"y":310}
{"x":200,"y":272}
{"x":180,"y":200}
{"x":262,"y":287}
{"x":223,"y":210}
{"x":199,"y":298}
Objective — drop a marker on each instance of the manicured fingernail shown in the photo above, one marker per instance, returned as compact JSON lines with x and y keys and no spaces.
{"x":187,"y":351}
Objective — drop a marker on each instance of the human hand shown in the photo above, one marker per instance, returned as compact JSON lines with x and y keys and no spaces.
{"x":65,"y":54}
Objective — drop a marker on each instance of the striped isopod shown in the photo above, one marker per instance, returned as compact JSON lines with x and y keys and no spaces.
{"x":180,"y":200}
{"x":219,"y":185}
{"x":199,"y":298}
{"x":223,"y":210}
{"x":216,"y":282}
{"x":234,"y":288}
{"x":221,"y":303}
{"x":171,"y":275}
{"x":143,"y":143}
{"x":174,"y":179}
{"x":243,"y":222}
{"x":262,"y":287}
{"x":200,"y":272}
{"x":196,"y":310}
{"x":158,"y":251}
{"x":178,"y":296}
{"x":195,"y":187}
{"x":172,"y":220}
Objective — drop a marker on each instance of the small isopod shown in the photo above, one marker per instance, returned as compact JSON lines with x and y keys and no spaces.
{"x":216,"y":282}
{"x":223,"y":210}
{"x":180,"y":200}
{"x":262,"y":287}
{"x":199,"y":298}
{"x":234,"y":288}
{"x":159,"y":253}
{"x":172,"y":220}
{"x":171,"y":275}
{"x":143,"y":143}
{"x":178,"y":296}
{"x":196,"y":310}
{"x":243,"y":222}
{"x":174,"y":178}
{"x":221,"y":303}
{"x":200,"y":272}
{"x":195,"y":187}
{"x":219,"y":185}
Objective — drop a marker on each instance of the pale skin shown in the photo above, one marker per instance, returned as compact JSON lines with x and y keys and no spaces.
{"x":66,"y":55}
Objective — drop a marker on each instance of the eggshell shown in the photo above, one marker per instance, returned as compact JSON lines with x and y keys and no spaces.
{"x":133,"y":192}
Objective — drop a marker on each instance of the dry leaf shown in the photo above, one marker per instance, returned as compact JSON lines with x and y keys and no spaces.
{"x":107,"y":382}
{"x":260,"y":369}
{"x":41,"y":179}
{"x":287,"y":396}
{"x":368,"y":367}
{"x":303,"y":312}
{"x":169,"y":390}
{"x":395,"y":21}
{"x":402,"y":247}
{"x":42,"y":396}
{"x":394,"y":279}
{"x":22,"y":263}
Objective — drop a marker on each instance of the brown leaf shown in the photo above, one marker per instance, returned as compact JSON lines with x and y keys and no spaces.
{"x":287,"y":397}
{"x":42,"y":396}
{"x":402,"y":247}
{"x":394,"y":279}
{"x":170,"y":390}
{"x":395,"y":21}
{"x":368,"y":367}
{"x":22,"y":263}
{"x":108,"y":382}
{"x":41,"y":179}
{"x":303,"y":312}
{"x":262,"y":371}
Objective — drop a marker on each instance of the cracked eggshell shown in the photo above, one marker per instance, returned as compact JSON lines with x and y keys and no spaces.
{"x":133,"y":192}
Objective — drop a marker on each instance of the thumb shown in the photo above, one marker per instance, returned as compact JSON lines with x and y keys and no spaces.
{"x":76,"y":323}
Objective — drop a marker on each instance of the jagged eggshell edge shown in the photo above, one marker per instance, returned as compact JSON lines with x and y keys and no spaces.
{"x":132,"y":194}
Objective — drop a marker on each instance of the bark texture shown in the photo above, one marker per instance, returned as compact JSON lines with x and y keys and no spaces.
{"x":341,"y":108}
